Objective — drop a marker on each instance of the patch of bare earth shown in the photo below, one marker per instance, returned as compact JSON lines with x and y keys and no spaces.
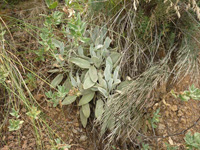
{"x":177,"y":118}
{"x":63,"y":122}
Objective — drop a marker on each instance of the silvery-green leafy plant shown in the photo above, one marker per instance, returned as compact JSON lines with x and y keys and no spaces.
{"x":15,"y":124}
{"x":192,"y":93}
{"x":34,"y":113}
{"x":100,"y":75}
{"x":155,"y":118}
{"x":97,"y":74}
{"x":192,"y":141}
{"x":60,"y":146}
{"x":94,"y":66}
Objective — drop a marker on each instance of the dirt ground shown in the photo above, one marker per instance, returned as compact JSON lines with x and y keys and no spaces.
{"x":176,"y":118}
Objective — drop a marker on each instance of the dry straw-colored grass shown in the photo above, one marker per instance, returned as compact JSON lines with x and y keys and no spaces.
{"x":161,"y":56}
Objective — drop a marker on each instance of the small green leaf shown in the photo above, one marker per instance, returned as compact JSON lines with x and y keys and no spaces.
{"x":57,"y":80}
{"x":82,"y":63}
{"x":86,"y":110}
{"x":88,"y":83}
{"x":72,"y":26}
{"x":69,"y":99}
{"x":86,"y":98}
{"x":83,"y":118}
{"x":99,"y":108}
{"x":184,"y":97}
{"x":53,"y":5}
{"x":93,"y":74}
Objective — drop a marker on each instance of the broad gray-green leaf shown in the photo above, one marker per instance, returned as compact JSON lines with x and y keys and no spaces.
{"x":83,"y":118}
{"x":80,"y":51}
{"x":59,"y":45}
{"x":92,"y":52}
{"x":107,"y":73}
{"x":99,"y":108}
{"x":69,"y":99}
{"x":93,"y":74}
{"x":98,"y":46}
{"x":110,"y":83}
{"x":94,"y":88}
{"x":84,"y":92}
{"x":97,"y":61}
{"x":86,"y":98}
{"x":116,"y":73}
{"x":88,"y":83}
{"x":107,"y":42}
{"x":54,"y":70}
{"x":109,"y":62}
{"x":78,"y":79}
{"x":73,"y":81}
{"x":67,"y":84}
{"x":103,"y":91}
{"x":115,"y":56}
{"x":102,"y":82}
{"x":82,"y":63}
{"x":57,"y":80}
{"x":86,"y":110}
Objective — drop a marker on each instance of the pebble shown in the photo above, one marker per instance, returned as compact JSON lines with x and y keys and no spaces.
{"x":83,"y":138}
{"x":74,"y":131}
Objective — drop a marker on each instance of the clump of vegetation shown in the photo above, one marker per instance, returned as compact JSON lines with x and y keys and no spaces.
{"x":192,"y":141}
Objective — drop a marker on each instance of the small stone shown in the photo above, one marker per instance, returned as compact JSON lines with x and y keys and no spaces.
{"x":183,"y":121}
{"x":83,"y":138}
{"x":174,"y":108}
{"x":180,"y":113}
{"x":76,"y":124}
{"x":161,"y":127}
{"x":171,"y":142}
{"x":74,"y":131}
